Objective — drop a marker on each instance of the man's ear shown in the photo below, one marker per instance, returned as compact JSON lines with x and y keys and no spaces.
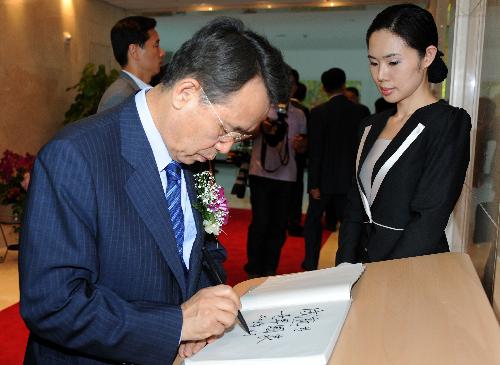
{"x":430,"y":54}
{"x":133,"y":51}
{"x":184,"y":92}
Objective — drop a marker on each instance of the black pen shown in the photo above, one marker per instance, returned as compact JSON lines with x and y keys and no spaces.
{"x":213,"y":268}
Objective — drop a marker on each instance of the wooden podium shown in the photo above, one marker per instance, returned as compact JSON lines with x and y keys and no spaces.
{"x":421,"y":310}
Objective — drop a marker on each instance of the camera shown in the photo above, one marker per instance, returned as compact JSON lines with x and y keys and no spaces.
{"x":275,"y":135}
{"x":240,"y":185}
{"x":276,"y":129}
{"x":241,"y":158}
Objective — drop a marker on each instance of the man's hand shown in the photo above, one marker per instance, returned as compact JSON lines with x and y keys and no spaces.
{"x":299,"y":143}
{"x":267,"y":126}
{"x":315,"y":193}
{"x":209,"y":312}
{"x":189,"y":348}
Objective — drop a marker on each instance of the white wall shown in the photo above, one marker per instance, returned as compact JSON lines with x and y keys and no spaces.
{"x":36,"y":65}
{"x":311,"y":41}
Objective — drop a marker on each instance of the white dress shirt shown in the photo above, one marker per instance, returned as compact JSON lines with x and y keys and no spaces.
{"x":162,"y":159}
{"x":141,"y":84}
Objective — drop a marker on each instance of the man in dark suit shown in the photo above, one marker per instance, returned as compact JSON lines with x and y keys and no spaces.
{"x":331,"y":219}
{"x":352,"y":94}
{"x":332,"y":149}
{"x":111,"y":255}
{"x":136,"y":47}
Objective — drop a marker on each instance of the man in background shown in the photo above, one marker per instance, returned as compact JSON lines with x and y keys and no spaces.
{"x":332,"y":149}
{"x":111,"y":264}
{"x":136,"y":47}
{"x":331,"y":219}
{"x":272,"y":179}
{"x":299,"y":93}
{"x":295,"y":212}
{"x":352,"y":94}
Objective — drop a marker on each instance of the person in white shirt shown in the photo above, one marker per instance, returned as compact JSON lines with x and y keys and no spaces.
{"x":272,"y":176}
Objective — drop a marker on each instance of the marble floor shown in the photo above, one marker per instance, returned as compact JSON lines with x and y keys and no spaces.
{"x":9,"y":277}
{"x":9,"y":280}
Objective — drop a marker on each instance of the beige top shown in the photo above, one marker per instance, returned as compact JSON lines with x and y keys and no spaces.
{"x":366,"y":172}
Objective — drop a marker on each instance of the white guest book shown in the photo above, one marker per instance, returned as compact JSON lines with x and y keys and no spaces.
{"x":293,"y":319}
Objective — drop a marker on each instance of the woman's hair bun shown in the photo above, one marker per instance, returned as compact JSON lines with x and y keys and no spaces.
{"x":438,"y":70}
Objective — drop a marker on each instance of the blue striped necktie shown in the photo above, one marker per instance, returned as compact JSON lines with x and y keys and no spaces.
{"x":173,"y":194}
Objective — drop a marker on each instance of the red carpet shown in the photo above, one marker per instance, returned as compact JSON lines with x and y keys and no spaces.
{"x":235,"y":241}
{"x":14,"y":334}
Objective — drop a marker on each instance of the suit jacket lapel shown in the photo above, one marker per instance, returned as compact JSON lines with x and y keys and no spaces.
{"x":144,"y":189}
{"x":361,"y":148}
{"x":397,"y":141}
{"x":195,"y":258}
{"x":405,"y":137}
{"x":129,"y":80}
{"x":376,"y":128}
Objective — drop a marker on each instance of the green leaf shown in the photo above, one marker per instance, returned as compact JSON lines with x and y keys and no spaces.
{"x":92,"y":85}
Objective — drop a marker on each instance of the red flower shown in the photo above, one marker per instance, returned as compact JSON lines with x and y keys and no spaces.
{"x":14,"y":179}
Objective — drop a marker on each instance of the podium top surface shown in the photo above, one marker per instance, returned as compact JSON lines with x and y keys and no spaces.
{"x":420,"y":310}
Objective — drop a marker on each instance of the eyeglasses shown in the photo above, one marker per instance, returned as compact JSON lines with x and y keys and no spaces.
{"x":233,"y":136}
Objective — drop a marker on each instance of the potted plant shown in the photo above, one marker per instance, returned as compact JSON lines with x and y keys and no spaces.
{"x":90,"y":88}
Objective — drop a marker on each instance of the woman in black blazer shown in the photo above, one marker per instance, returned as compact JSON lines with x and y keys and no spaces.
{"x":411,"y":160}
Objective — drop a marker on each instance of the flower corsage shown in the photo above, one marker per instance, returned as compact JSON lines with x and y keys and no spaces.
{"x":212,"y":203}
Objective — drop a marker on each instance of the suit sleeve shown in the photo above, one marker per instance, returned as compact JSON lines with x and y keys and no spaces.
{"x":315,"y":144}
{"x":61,"y":298}
{"x":114,"y":95}
{"x":439,"y":187}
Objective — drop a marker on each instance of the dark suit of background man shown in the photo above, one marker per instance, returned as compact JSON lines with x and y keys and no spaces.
{"x":332,"y":149}
{"x":136,"y":46}
{"x":105,"y":276}
{"x":331,"y":219}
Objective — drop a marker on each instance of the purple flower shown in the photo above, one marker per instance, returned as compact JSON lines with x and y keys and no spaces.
{"x":212,"y":203}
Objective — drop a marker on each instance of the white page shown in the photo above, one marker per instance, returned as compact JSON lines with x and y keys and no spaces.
{"x":297,"y":335}
{"x":294,"y":320}
{"x":308,"y":287}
